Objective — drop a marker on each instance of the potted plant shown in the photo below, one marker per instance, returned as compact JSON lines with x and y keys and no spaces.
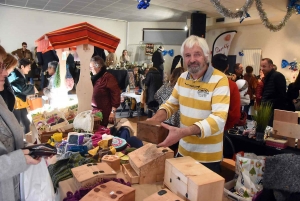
{"x":262,"y":117}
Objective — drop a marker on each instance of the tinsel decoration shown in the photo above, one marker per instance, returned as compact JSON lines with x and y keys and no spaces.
{"x":227,"y":13}
{"x":265,"y":20}
{"x":57,"y":77}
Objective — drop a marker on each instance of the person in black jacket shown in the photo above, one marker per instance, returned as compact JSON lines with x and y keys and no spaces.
{"x":176,"y":61}
{"x":293,"y":94}
{"x":21,"y":89}
{"x":43,"y":60}
{"x":153,"y":82}
{"x":158,"y":61}
{"x":274,"y":90}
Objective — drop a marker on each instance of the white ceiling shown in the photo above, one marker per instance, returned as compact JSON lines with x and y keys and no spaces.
{"x":159,"y":10}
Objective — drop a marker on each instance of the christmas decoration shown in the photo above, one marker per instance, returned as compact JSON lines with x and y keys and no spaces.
{"x":292,"y":65}
{"x":265,"y":20}
{"x":227,"y":13}
{"x":170,"y":52}
{"x":143,"y":4}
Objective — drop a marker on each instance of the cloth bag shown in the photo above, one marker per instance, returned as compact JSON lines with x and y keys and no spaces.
{"x":35,"y":102}
{"x":250,"y":170}
{"x":36,"y":183}
{"x":85,"y":121}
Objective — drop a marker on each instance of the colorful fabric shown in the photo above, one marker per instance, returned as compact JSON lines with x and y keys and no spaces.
{"x":61,"y":170}
{"x":203,"y":103}
{"x":78,"y":34}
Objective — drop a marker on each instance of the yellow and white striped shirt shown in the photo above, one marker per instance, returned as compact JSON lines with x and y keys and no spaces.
{"x":203,"y":103}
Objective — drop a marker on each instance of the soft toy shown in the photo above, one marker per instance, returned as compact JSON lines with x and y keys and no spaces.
{"x":243,"y":88}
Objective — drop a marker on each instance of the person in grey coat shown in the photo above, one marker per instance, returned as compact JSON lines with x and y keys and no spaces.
{"x":13,"y":160}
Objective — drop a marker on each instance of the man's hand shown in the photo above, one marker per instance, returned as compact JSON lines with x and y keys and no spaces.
{"x":175,"y":134}
{"x":29,"y":159}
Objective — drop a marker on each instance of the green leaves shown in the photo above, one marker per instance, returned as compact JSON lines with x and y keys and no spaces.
{"x":262,"y":116}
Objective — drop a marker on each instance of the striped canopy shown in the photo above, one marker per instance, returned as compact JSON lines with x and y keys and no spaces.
{"x":78,"y":34}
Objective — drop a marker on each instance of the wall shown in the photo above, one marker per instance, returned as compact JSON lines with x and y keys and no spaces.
{"x":283,"y":44}
{"x":135,"y":36}
{"x":18,"y":25}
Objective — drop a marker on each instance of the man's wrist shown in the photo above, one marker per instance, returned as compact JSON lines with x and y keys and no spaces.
{"x":191,"y":130}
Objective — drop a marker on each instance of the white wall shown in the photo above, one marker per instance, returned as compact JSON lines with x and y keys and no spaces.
{"x":19,"y":25}
{"x":284,"y":44}
{"x":135,"y":36}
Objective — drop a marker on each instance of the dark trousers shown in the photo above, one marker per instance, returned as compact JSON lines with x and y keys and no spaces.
{"x":215,"y":167}
{"x":21,"y":116}
{"x":247,"y":108}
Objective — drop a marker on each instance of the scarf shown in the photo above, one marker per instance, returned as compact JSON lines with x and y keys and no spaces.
{"x":94,"y":78}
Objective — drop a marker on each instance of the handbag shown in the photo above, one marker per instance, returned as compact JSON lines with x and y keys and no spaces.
{"x":19,"y":104}
{"x":35,"y":102}
{"x":84,"y":121}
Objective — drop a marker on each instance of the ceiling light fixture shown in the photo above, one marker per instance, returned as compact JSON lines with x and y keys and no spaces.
{"x":185,"y":28}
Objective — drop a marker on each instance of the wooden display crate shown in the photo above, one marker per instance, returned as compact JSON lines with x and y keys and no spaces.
{"x":285,"y":125}
{"x":152,"y":132}
{"x":163,"y":195}
{"x":89,"y":174}
{"x":130,"y":174}
{"x":149,"y":163}
{"x":111,"y":191}
{"x":113,"y":161}
{"x":192,"y":181}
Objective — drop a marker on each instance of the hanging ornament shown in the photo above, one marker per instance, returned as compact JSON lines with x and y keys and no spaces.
{"x":245,"y":15}
{"x":241,"y":53}
{"x":227,"y":13}
{"x":292,"y":65}
{"x":143,"y":4}
{"x":265,"y":20}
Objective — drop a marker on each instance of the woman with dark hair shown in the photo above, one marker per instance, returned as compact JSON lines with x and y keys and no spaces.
{"x":106,"y":91}
{"x":293,"y":95}
{"x":153,"y":82}
{"x":165,"y":91}
{"x":21,"y":89}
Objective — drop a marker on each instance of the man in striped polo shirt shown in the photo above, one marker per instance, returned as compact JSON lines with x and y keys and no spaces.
{"x":202,"y":94}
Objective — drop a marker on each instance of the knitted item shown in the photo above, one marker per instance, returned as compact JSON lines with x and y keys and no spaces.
{"x":282,"y":175}
{"x":83,"y":191}
{"x":61,"y":170}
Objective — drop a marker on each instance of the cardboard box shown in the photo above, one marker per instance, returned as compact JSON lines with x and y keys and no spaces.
{"x":111,"y":191}
{"x":113,"y":161}
{"x":192,"y":181}
{"x":92,"y":173}
{"x":149,"y":162}
{"x":163,"y":195}
{"x":152,"y":132}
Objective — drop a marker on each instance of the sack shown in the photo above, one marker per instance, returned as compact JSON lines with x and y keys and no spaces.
{"x":36,"y":183}
{"x":35,"y":102}
{"x":19,"y":104}
{"x":250,"y":170}
{"x":84,"y":121}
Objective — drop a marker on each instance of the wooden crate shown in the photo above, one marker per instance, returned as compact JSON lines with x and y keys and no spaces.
{"x":150,"y":131}
{"x":285,"y":125}
{"x":130,"y":174}
{"x":192,"y":181}
{"x":45,"y":136}
{"x":149,"y":162}
{"x":163,"y":195}
{"x":89,"y":174}
{"x":111,"y":191}
{"x":113,"y":161}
